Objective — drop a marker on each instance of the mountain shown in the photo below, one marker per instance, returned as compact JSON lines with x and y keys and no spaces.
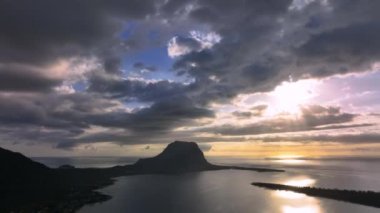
{"x":177,"y":157}
{"x":15,"y":168}
{"x":28,"y":186}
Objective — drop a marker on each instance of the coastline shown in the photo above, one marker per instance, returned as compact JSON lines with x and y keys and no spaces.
{"x":367,"y":198}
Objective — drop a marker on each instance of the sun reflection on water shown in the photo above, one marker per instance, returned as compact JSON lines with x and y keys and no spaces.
{"x":297,"y":202}
{"x":290,"y":195}
{"x":300,"y":182}
{"x":291,"y":161}
{"x":302,"y":209}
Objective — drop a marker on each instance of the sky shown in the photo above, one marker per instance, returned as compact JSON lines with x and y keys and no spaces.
{"x":265,"y":78}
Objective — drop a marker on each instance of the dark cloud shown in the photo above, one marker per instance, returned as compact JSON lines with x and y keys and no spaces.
{"x":240,"y":60}
{"x":362,"y":138}
{"x":168,"y":113}
{"x":313,"y":118}
{"x":342,"y":50}
{"x":70,"y":115}
{"x":242,"y":114}
{"x":25,"y":79}
{"x":255,"y":111}
{"x":41,"y":32}
{"x":316,"y":115}
{"x":136,"y":89}
{"x":258,"y":110}
{"x":261,"y":44}
{"x":161,"y":116}
{"x":264,"y":42}
{"x":51,"y":111}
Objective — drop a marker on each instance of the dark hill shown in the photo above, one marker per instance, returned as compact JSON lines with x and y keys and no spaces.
{"x":16,"y":168}
{"x":180,"y":157}
{"x":28,"y":186}
{"x":177,"y":157}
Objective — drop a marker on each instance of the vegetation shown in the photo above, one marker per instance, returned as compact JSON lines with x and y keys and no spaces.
{"x":368,"y":198}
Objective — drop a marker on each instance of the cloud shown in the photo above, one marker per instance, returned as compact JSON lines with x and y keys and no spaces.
{"x":144,"y":68}
{"x":262,"y":44}
{"x":257,"y":111}
{"x":161,"y":116}
{"x":179,"y":45}
{"x":313,"y":117}
{"x":194,"y":42}
{"x":140,"y":90}
{"x":301,"y":4}
{"x":62,"y":120}
{"x":225,"y":48}
{"x":362,"y":138}
{"x":341,"y":50}
{"x":242,"y":114}
{"x":25,"y":79}
{"x":205,"y":147}
{"x":41,"y":33}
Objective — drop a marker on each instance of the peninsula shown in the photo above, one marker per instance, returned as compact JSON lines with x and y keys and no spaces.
{"x":367,"y":198}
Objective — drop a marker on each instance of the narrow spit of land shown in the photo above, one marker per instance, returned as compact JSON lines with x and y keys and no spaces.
{"x":367,"y":198}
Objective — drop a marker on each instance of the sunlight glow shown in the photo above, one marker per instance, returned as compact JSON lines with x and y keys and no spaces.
{"x":289,"y":96}
{"x":291,"y":161}
{"x":290,"y":195}
{"x":299,"y":182}
{"x":302,"y":209}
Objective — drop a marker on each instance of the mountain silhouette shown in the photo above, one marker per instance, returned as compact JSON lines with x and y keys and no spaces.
{"x":177,"y":157}
{"x":16,"y":168}
{"x":28,"y":186}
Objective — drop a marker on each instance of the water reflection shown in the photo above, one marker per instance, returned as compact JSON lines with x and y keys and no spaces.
{"x":291,"y":161}
{"x":289,"y":194}
{"x":293,"y":202}
{"x":300,"y":182}
{"x":222,"y":191}
{"x":302,"y":209}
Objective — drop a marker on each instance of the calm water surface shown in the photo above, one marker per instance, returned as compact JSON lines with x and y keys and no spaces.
{"x":85,"y":162}
{"x":230,"y":190}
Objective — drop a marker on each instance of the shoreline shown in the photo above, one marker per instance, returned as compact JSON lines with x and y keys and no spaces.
{"x":367,"y":198}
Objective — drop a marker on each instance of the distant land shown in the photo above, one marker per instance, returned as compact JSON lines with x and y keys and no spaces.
{"x":180,"y":157}
{"x":28,"y":186}
{"x":367,"y":198}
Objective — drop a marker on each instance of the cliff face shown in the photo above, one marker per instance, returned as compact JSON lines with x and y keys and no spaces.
{"x":177,"y":157}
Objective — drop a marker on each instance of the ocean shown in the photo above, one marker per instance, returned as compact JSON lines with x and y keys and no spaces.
{"x":229,"y":191}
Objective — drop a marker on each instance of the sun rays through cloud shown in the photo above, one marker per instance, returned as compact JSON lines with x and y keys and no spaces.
{"x":149,"y":72}
{"x":289,"y":97}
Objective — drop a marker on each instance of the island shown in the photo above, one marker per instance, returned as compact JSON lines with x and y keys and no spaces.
{"x":29,"y":186}
{"x":367,"y":198}
{"x":182,"y":156}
